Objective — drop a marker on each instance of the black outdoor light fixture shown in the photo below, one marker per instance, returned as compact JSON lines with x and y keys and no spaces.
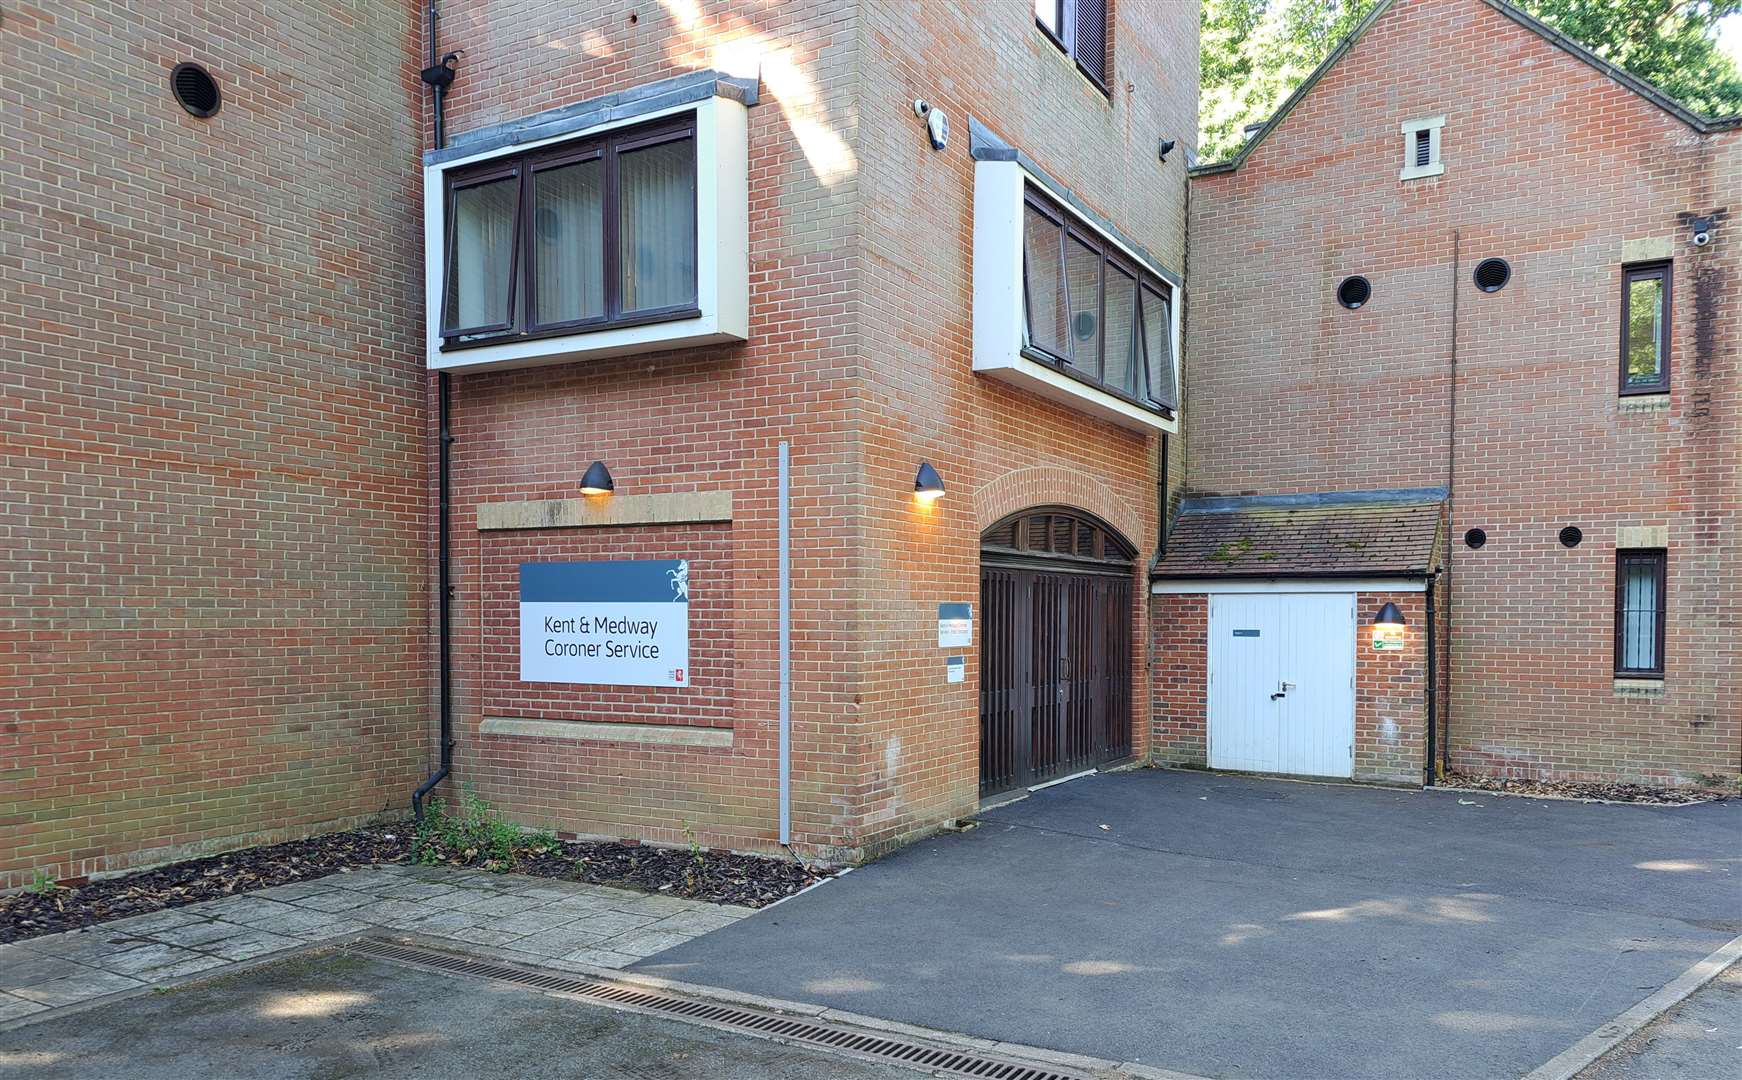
{"x":928,"y":486}
{"x":1164,"y":148}
{"x":1388,"y":627}
{"x":598,"y":480}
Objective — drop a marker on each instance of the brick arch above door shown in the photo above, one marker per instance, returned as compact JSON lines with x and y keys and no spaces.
{"x":1051,"y":485}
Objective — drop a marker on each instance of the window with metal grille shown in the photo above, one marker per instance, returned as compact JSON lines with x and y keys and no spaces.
{"x":1079,"y":27}
{"x":1423,"y":148}
{"x":1639,"y":611}
{"x":1645,"y":329}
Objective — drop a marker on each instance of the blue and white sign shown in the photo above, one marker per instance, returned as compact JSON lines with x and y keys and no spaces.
{"x":607,"y":623}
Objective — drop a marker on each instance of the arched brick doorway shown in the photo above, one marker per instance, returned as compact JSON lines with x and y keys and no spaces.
{"x":1055,"y":650}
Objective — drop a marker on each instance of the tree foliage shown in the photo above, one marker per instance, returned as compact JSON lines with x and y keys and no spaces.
{"x":1255,"y":52}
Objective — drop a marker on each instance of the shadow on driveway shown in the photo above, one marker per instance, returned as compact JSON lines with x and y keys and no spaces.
{"x":1228,"y":926}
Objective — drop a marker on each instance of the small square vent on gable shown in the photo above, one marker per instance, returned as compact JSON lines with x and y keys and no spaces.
{"x":1421,"y":148}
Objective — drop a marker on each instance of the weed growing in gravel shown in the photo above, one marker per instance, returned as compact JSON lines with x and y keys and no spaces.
{"x":41,"y":883}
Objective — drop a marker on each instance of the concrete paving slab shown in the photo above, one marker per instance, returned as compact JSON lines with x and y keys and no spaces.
{"x":1234,"y":926}
{"x":27,"y":969}
{"x":79,"y":986}
{"x":13,"y":1007}
{"x":337,"y":1015}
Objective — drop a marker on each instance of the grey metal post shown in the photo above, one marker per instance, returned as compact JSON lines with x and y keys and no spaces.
{"x":785,"y":645}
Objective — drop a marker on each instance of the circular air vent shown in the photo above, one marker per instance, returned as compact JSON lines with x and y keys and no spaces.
{"x":1492,"y":275}
{"x":1570,"y":536}
{"x":1353,"y":292}
{"x":1475,"y":538}
{"x":195,"y":89}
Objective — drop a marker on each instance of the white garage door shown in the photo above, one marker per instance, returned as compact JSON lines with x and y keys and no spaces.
{"x":1282,"y":683}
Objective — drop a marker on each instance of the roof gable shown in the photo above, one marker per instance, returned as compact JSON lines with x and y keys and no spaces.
{"x":1516,"y":14}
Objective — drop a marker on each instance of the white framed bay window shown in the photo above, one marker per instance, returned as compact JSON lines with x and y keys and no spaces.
{"x":617,"y":238}
{"x":1066,"y":309}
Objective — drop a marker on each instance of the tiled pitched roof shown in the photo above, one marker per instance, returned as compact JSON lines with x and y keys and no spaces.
{"x":1376,"y":534}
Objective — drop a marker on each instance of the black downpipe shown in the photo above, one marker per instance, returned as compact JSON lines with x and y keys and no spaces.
{"x":439,"y":75}
{"x":1433,"y":687}
{"x":1161,"y":503}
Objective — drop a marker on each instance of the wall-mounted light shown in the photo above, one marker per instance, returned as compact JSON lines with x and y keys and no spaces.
{"x":1388,"y":627}
{"x":937,"y":125}
{"x":598,"y":480}
{"x":1164,"y":148}
{"x":928,"y":486}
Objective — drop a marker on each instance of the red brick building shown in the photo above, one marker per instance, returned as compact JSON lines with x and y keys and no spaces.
{"x":843,"y":245}
{"x":1512,"y":276}
{"x":212,"y":520}
{"x":709,"y":302}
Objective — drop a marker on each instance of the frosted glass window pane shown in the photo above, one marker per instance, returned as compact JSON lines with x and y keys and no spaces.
{"x":1045,"y":281}
{"x":1083,"y":278}
{"x":1121,"y":324}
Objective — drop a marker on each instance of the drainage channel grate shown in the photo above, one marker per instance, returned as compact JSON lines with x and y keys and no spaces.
{"x":798,"y":1029}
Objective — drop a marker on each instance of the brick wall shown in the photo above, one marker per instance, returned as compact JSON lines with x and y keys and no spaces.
{"x":1390,"y":687}
{"x":859,"y":355}
{"x":211,"y":416}
{"x":1180,"y":678}
{"x":999,"y":449}
{"x":1568,"y":175}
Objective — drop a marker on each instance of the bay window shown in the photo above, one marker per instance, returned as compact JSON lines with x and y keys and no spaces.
{"x":591,"y":234}
{"x":1091,"y":311}
{"x":561,"y":240}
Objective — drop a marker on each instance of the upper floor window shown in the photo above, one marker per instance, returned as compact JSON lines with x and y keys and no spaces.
{"x":1079,"y":27}
{"x":1091,"y":311}
{"x":1421,"y":148}
{"x":1645,"y":329}
{"x":586,"y":235}
{"x":1639,"y":611}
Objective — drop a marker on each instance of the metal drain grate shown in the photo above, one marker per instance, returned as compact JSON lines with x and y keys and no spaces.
{"x":803,"y":1030}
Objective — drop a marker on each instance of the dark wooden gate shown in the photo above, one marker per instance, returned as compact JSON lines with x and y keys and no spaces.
{"x":1055,"y":652}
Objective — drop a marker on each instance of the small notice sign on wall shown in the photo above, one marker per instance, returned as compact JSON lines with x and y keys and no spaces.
{"x":955,"y":669}
{"x":609,"y":623}
{"x":955,"y":625}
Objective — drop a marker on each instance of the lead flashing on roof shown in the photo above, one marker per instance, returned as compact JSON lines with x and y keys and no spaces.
{"x":624,"y":105}
{"x":1217,"y":504}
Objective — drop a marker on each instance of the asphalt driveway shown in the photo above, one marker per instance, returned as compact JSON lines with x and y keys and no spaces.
{"x":1227,"y":926}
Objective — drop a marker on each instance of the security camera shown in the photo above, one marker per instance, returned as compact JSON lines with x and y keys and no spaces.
{"x":1702,"y":231}
{"x":920,"y":107}
{"x":1702,"y":238}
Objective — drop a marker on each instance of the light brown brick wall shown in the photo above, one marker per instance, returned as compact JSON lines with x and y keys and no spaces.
{"x":1553,"y":166}
{"x":211,"y":409}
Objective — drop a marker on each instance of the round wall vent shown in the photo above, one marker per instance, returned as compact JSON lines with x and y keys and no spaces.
{"x":1570,"y":536}
{"x":195,"y":89}
{"x":1492,"y":275}
{"x":1475,"y":538}
{"x":1353,"y":292}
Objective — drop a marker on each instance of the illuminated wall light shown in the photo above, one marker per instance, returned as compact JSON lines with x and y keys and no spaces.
{"x":1388,"y":627}
{"x":928,"y":486}
{"x":598,"y":480}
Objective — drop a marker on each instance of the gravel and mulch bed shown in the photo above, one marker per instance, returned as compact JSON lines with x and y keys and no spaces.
{"x":1598,"y":792}
{"x":699,"y":874}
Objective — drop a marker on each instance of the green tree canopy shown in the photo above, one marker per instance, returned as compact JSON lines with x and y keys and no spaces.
{"x":1255,"y":52}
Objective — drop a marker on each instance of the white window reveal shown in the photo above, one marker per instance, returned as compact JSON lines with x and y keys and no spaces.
{"x":1421,"y":148}
{"x":1065,"y":309}
{"x":618,"y":238}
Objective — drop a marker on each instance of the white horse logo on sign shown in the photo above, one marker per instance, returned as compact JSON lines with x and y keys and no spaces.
{"x":680,"y":580}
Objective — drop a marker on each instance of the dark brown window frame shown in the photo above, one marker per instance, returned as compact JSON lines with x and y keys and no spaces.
{"x":1643,"y":272}
{"x":1070,"y":228}
{"x":1067,"y":41}
{"x":1659,"y":557}
{"x":525,"y":167}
